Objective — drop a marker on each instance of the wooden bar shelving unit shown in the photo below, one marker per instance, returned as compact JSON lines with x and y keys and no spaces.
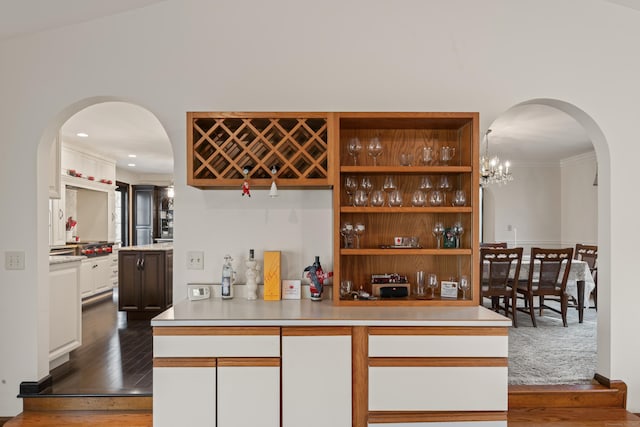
{"x":407,"y":132}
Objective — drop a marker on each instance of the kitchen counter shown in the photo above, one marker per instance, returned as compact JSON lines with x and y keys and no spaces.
{"x":151,"y":247}
{"x":61,"y":259}
{"x":242,"y":312}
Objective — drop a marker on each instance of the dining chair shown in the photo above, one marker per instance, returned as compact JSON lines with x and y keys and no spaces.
{"x":589,"y":254}
{"x":499,"y":269}
{"x":548,"y":274}
{"x":493,"y":245}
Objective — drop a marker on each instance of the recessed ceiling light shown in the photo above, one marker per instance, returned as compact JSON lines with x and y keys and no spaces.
{"x":82,"y":135}
{"x":132,"y":155}
{"x":132,"y":165}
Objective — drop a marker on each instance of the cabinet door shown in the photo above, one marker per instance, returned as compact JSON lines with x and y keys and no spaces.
{"x":316,"y":377}
{"x":249,"y":392}
{"x":65,"y":325}
{"x":185,"y":395}
{"x":143,"y":205}
{"x":86,"y":278}
{"x":153,"y":296}
{"x":58,"y":220}
{"x":102,"y":274}
{"x":111,"y":216}
{"x":128,"y":280}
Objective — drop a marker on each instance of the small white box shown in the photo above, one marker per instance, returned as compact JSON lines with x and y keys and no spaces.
{"x":448,"y":289}
{"x":291,"y":289}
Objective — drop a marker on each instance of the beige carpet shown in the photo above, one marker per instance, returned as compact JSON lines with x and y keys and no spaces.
{"x":551,"y":353}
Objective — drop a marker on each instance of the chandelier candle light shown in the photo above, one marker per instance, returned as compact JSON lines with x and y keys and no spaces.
{"x":492,"y":171}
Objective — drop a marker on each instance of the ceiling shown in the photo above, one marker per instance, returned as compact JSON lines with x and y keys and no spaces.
{"x":528,"y":134}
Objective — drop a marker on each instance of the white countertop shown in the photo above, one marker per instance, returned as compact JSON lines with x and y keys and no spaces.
{"x":60,"y":259}
{"x":241,"y":312}
{"x":151,"y":247}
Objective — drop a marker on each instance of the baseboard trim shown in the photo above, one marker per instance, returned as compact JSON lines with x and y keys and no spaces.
{"x":620,"y":386}
{"x":28,"y":388}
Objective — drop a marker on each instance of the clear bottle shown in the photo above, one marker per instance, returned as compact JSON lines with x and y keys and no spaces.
{"x":227,"y":278}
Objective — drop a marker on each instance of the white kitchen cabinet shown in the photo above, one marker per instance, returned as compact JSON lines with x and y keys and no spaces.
{"x":316,"y":377}
{"x":95,"y":276}
{"x":65,"y":311}
{"x":58,"y":220}
{"x":184,"y":395}
{"x":113,"y":270}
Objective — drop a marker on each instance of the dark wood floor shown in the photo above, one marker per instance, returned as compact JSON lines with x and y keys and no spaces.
{"x":115,"y":356}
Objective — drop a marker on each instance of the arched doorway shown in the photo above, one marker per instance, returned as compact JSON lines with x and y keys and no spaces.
{"x":116,"y":128}
{"x":503,"y":221}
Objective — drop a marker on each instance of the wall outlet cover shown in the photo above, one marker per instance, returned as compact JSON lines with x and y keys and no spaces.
{"x":195,"y":260}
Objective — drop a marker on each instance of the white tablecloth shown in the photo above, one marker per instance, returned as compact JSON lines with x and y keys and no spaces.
{"x":579,"y":271}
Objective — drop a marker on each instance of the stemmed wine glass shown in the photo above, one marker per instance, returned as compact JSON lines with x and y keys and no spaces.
{"x":457,"y":231}
{"x":389,"y":184}
{"x":374,"y":149}
{"x":347,"y":232}
{"x":354,"y":147}
{"x":464,"y":286}
{"x":359,"y":230}
{"x":444,"y":185}
{"x":438,"y":232}
{"x":432,"y":282}
{"x":366,"y":185}
{"x":350,"y":186}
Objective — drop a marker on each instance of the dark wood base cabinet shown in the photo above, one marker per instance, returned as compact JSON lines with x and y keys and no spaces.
{"x":145,"y":281}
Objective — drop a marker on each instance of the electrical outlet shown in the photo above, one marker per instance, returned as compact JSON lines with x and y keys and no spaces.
{"x":195,"y":260}
{"x":14,"y":260}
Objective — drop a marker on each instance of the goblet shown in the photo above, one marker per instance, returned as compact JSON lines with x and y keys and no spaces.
{"x":435,"y":198}
{"x":359,"y":230}
{"x":347,"y":233}
{"x":444,"y":185}
{"x":389,"y":184}
{"x":457,"y":231}
{"x":377,"y":198}
{"x":350,"y":186}
{"x":360,"y":198}
{"x":432,"y":282}
{"x":464,"y":286}
{"x":395,"y":198}
{"x":418,"y":198}
{"x":438,"y":232}
{"x":459,"y":198}
{"x":366,"y":185}
{"x":354,"y":147}
{"x":374,"y":149}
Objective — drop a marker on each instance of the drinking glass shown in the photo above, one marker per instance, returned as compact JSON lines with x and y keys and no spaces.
{"x":360,"y":198}
{"x":457,"y":231}
{"x":374,"y":149}
{"x":432,"y":282}
{"x":438,"y":232}
{"x":377,"y":198}
{"x":345,"y":288}
{"x":435,"y":198}
{"x":418,"y":198}
{"x":425,"y":183}
{"x":389,"y":184}
{"x":347,"y":233}
{"x":446,"y":154}
{"x":350,"y":186}
{"x":354,"y":147}
{"x":420,"y":290}
{"x":444,"y":185}
{"x":359,"y":230}
{"x":464,"y":286}
{"x":395,"y":198}
{"x":406,"y":159}
{"x":459,"y":198}
{"x":425,"y":154}
{"x":366,"y":185}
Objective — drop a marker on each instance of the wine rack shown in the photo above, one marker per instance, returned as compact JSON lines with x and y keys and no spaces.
{"x":222,"y":146}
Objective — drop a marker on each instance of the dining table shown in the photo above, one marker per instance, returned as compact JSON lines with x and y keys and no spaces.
{"x":580,"y":283}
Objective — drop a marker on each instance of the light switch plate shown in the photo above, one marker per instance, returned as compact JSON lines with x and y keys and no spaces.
{"x":14,"y":260}
{"x":195,"y":260}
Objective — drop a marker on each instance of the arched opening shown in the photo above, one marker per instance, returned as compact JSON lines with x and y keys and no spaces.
{"x":116,"y":127}
{"x":529,"y":212}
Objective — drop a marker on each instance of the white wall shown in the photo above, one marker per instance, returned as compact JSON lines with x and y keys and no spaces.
{"x":363,"y":55}
{"x":579,"y":200}
{"x":527,"y":211}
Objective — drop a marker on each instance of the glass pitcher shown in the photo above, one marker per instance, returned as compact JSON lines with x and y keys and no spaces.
{"x":446,"y":154}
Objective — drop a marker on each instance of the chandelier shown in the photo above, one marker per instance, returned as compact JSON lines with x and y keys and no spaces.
{"x":492,"y":171}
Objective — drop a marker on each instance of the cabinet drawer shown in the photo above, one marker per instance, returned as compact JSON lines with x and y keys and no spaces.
{"x":438,"y":388}
{"x":213,"y":342}
{"x":438,"y":342}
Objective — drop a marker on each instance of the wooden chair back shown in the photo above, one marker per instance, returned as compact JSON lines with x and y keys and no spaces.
{"x":502,"y":268}
{"x":545,"y":268}
{"x":493,"y":245}
{"x":588,"y":254}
